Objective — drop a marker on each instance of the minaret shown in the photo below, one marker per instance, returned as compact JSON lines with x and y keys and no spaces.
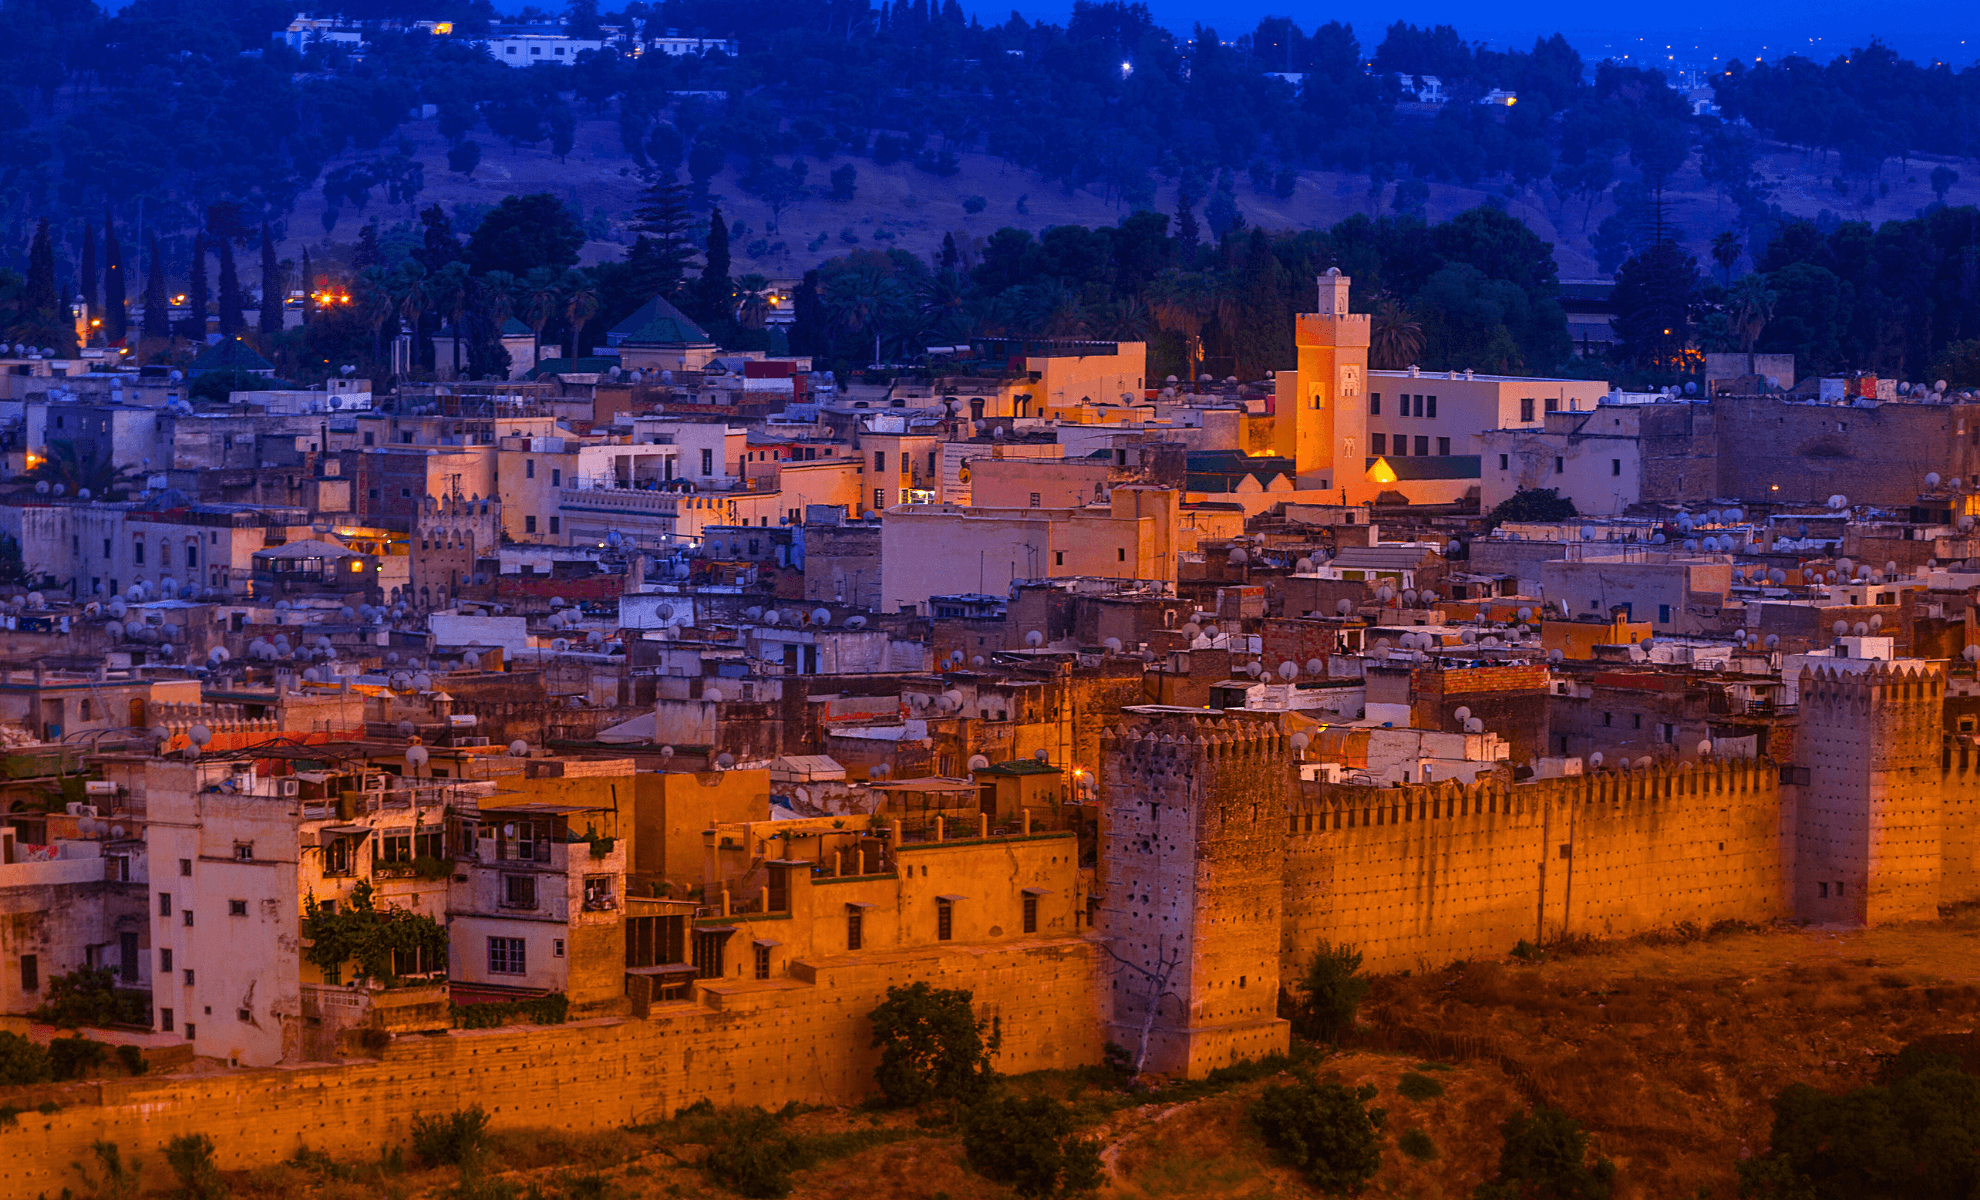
{"x":1321,"y":409}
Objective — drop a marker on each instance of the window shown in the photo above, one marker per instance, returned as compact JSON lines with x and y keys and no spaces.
{"x":1608,"y":719}
{"x":185,"y":866}
{"x":1433,"y":406}
{"x":529,"y":468}
{"x":1560,"y":465}
{"x":1378,"y":443}
{"x":945,"y":920}
{"x":1663,"y":614}
{"x":367,"y":440}
{"x":529,"y":524}
{"x":237,"y":908}
{"x":1031,"y":912}
{"x":164,"y":904}
{"x":598,"y":895}
{"x":243,"y":851}
{"x":879,"y":460}
{"x":187,"y":976}
{"x":405,"y":493}
{"x":556,"y":947}
{"x":187,"y":914}
{"x":556,"y":477}
{"x":137,"y":552}
{"x":1822,"y":891}
{"x":1120,"y":554}
{"x":1422,"y":445}
{"x":707,"y":462}
{"x":82,"y":710}
{"x":340,"y":856}
{"x":1553,"y":404}
{"x":506,"y":956}
{"x":106,"y":547}
{"x":30,"y":973}
{"x":192,"y":554}
{"x":165,"y":1020}
{"x":1443,"y":447}
{"x":419,"y":960}
{"x":190,"y":1031}
{"x":1374,"y":404}
{"x":1667,"y":734}
{"x":1615,"y":466}
{"x":1419,"y":406}
{"x":1034,"y":499}
{"x":1636,"y":721}
{"x":855,"y":928}
{"x":1526,"y":410}
{"x":708,"y":953}
{"x":762,"y":961}
{"x":519,"y":891}
{"x":165,"y":961}
{"x":1058,"y":558}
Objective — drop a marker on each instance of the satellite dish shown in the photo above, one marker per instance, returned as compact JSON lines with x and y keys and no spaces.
{"x":1289,"y":670}
{"x":1315,"y":667}
{"x":519,"y":749}
{"x":1034,"y":638}
{"x":417,"y":756}
{"x":712,"y":695}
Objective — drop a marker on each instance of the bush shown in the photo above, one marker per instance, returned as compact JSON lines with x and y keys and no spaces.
{"x":1545,"y":1154}
{"x":74,"y":1057}
{"x":1534,"y":504}
{"x":132,"y":1058}
{"x":190,"y":1155}
{"x":888,"y":149}
{"x":845,"y":182}
{"x":23,"y":1060}
{"x":1323,"y":1129}
{"x":931,"y":1046}
{"x":1331,"y":993}
{"x":1419,"y":1087}
{"x":755,"y":1157}
{"x":1417,"y":1145}
{"x":89,"y":996}
{"x":452,"y":1139}
{"x":1029,"y":1144}
{"x":975,"y":204}
{"x":553,"y":1009}
{"x":111,"y":1178}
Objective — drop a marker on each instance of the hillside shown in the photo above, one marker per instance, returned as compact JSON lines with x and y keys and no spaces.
{"x":899,"y":205}
{"x":1670,"y":1054}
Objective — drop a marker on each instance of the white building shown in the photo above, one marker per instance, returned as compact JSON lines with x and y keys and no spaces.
{"x":1594,"y":458}
{"x":529,"y":49}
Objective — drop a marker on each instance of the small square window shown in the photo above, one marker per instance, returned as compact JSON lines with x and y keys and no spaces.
{"x":187,"y":976}
{"x":243,"y":851}
{"x":556,"y":947}
{"x":243,"y":1015}
{"x":237,"y":908}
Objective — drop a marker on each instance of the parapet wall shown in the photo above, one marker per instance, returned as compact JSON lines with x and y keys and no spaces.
{"x":1419,"y":876}
{"x":802,"y":1038}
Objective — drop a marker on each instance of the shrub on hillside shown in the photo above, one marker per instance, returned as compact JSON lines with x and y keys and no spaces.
{"x":190,"y":1155}
{"x":1545,"y":1156}
{"x":22,"y":1060}
{"x":1323,"y":1129}
{"x":450,"y":1139}
{"x":932,"y":1047}
{"x":1331,"y":992}
{"x":1030,"y":1144}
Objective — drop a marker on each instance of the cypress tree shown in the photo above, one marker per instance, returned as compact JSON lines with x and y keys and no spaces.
{"x":808,"y":319}
{"x":86,"y":285}
{"x":1187,"y":235}
{"x":39,"y":298}
{"x":271,"y":287}
{"x":157,"y":304}
{"x":662,"y":260}
{"x":230,"y":292}
{"x":196,"y":291}
{"x":116,"y":313}
{"x":308,"y":289}
{"x":715,"y":289}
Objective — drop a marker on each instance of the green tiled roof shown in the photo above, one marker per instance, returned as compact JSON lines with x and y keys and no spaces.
{"x":1022,"y":766}
{"x":234,"y":355}
{"x":1443,"y":466}
{"x":657,"y":323}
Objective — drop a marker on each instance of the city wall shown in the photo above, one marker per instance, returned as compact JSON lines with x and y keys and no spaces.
{"x":804,"y":1037}
{"x":1423,"y":875}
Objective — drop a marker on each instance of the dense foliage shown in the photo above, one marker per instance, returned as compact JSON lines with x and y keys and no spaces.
{"x":1030,"y":1143}
{"x":90,"y":996}
{"x":1325,"y":1130}
{"x":1545,"y":1156}
{"x":932,"y":1047}
{"x":381,"y":943}
{"x":1330,"y":993}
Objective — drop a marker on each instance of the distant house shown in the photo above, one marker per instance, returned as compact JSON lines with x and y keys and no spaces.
{"x":659,"y":336}
{"x":1499,"y":98}
{"x":528,"y":49}
{"x":233,"y":356}
{"x":517,"y":339}
{"x":676,"y":46}
{"x":1424,"y":89}
{"x":306,"y":31}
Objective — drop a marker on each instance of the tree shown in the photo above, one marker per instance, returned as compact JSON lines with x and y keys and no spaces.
{"x":1653,"y":299}
{"x":755,"y":307}
{"x":1545,"y":1156}
{"x":116,"y":313}
{"x":157,"y":304}
{"x":1534,"y":504}
{"x":86,"y":995}
{"x":382,"y":943}
{"x":714,"y":292}
{"x":273,"y":287}
{"x":452,"y":292}
{"x":844,"y":181}
{"x":190,"y":1156}
{"x":1182,"y":302}
{"x":463,"y":158}
{"x":1726,"y":251}
{"x":808,"y":334}
{"x":665,"y":147}
{"x":580,"y":305}
{"x":932,"y":1047}
{"x":1324,"y":1130}
{"x":1752,"y":307}
{"x":778,"y":187}
{"x":438,"y":245}
{"x":563,"y":130}
{"x":1943,"y":178}
{"x":1395,"y":336}
{"x":540,"y":300}
{"x":664,"y":254}
{"x":23,"y":1061}
{"x":87,"y":273}
{"x":1959,"y":366}
{"x":230,"y":292}
{"x":1331,"y":992}
{"x":41,"y":298}
{"x":704,"y":161}
{"x":1030,"y":1144}
{"x":112,"y":1177}
{"x":523,"y":233}
{"x":1187,"y":233}
{"x":308,"y":289}
{"x":196,"y":291}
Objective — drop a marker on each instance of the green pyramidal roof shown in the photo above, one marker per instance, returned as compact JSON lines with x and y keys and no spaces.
{"x":231,"y":355}
{"x":657,"y":323}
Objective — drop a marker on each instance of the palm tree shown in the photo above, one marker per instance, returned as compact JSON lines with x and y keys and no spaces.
{"x":755,"y":307}
{"x":1725,"y":252}
{"x":1395,"y":336}
{"x":415,"y":297}
{"x":860,"y":301}
{"x":451,"y":293}
{"x":1753,"y":307}
{"x":1182,"y":302}
{"x":490,"y":304}
{"x":945,"y":302}
{"x":377,"y":305}
{"x":580,"y":305}
{"x":540,"y":300}
{"x":76,"y":473}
